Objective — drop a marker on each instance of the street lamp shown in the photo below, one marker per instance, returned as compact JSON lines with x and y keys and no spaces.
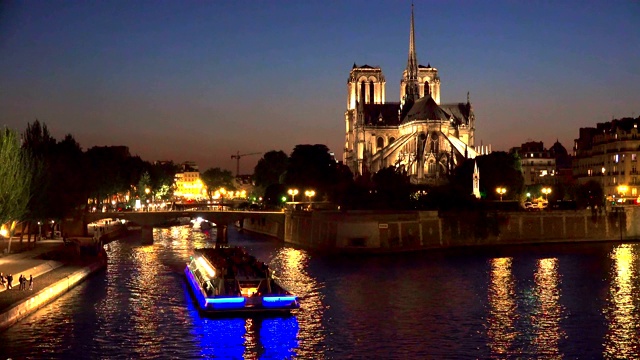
{"x":293,"y":193}
{"x":501,"y":191}
{"x":309,"y":194}
{"x":546,"y":191}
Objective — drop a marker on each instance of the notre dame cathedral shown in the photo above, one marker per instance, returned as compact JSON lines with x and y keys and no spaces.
{"x":420,"y":135}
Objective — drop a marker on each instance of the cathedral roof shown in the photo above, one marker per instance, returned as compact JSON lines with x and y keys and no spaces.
{"x":459,"y":111}
{"x":426,"y":108}
{"x":381,"y":114}
{"x":365,"y":66}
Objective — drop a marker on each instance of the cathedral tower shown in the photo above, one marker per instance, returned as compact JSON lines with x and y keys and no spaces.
{"x":365,"y":86}
{"x":411,"y":89}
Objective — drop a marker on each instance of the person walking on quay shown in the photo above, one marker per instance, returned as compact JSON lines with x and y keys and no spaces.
{"x":21,"y":281}
{"x":9,"y":281}
{"x":2,"y":282}
{"x":30,"y":282}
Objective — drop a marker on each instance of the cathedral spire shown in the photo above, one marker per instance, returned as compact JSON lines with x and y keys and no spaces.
{"x":412,"y":91}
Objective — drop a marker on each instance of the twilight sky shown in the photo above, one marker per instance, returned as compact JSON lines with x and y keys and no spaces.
{"x":200,"y":80}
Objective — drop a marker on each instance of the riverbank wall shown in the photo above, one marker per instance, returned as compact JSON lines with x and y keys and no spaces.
{"x":66,"y":279}
{"x":262,"y":226}
{"x":387,"y":232}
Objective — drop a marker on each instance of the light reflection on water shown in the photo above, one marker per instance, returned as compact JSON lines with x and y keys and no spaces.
{"x":548,"y":312}
{"x":502,"y":313}
{"x":564,"y":301}
{"x":622,"y":339}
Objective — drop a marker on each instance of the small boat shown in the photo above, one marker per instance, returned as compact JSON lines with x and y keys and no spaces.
{"x":227,"y":280}
{"x":201,"y":224}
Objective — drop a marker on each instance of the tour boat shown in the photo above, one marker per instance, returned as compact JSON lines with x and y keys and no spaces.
{"x":227,"y":280}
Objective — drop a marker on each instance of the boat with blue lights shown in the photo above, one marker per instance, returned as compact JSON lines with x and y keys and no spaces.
{"x":227,"y":280}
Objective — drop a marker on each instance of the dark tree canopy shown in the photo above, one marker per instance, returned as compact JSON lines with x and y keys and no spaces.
{"x":311,"y":167}
{"x":589,"y":194}
{"x":391,"y":188}
{"x":216,"y":178}
{"x":498,"y":169}
{"x":271,"y":168}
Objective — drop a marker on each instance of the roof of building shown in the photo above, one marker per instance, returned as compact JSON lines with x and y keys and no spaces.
{"x":426,"y":108}
{"x":365,"y":66}
{"x":459,"y":111}
{"x":381,"y":114}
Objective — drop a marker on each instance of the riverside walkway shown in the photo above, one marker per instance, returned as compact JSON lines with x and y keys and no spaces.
{"x":56,"y":268}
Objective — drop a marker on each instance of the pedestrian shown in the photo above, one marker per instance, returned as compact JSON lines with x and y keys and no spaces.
{"x":9,"y":281}
{"x":2,"y":282}
{"x":30,"y":282}
{"x":21,"y":281}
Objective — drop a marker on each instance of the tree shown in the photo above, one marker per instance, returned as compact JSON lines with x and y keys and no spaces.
{"x":589,"y":194}
{"x":392,"y":188}
{"x":498,"y":169}
{"x":216,"y":178}
{"x":270,"y":169}
{"x":162,"y":177}
{"x":311,"y":167}
{"x":15,"y":180}
{"x":144,"y":188}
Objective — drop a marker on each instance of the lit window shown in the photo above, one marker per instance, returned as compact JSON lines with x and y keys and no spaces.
{"x":633,"y":157}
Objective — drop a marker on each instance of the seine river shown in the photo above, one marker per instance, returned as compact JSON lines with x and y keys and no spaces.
{"x":535,"y":302}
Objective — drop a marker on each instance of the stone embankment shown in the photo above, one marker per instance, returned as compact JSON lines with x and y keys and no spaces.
{"x":55,"y":267}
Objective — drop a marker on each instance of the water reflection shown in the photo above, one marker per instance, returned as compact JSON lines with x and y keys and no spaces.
{"x":546,"y":317}
{"x":240,"y":338}
{"x":294,"y":263}
{"x":621,"y":312}
{"x":502,"y":302}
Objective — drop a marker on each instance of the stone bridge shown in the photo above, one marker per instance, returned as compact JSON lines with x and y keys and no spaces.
{"x":149,"y":220}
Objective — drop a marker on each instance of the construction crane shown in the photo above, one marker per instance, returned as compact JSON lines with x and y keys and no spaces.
{"x":237,"y":156}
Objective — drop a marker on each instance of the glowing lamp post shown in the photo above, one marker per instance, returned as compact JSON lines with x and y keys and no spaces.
{"x":293,"y":193}
{"x":501,"y":191}
{"x":546,"y":191}
{"x":309,"y":194}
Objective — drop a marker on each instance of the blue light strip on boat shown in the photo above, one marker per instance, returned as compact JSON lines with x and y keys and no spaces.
{"x":196,"y":288}
{"x":278,"y":301}
{"x":226,"y":302}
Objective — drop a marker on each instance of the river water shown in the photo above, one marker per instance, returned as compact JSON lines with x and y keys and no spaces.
{"x":553,"y":301}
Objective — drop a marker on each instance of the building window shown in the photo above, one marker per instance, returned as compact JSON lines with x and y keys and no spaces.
{"x":380,"y":143}
{"x":590,"y":172}
{"x":633,"y":157}
{"x":634,"y":191}
{"x":615,"y":158}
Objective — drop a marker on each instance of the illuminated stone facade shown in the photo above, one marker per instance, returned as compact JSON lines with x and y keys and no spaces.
{"x":608,"y":154}
{"x":425,"y":138}
{"x":188,"y":185}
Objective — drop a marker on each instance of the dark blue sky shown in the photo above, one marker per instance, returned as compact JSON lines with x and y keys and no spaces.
{"x":200,"y":80}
